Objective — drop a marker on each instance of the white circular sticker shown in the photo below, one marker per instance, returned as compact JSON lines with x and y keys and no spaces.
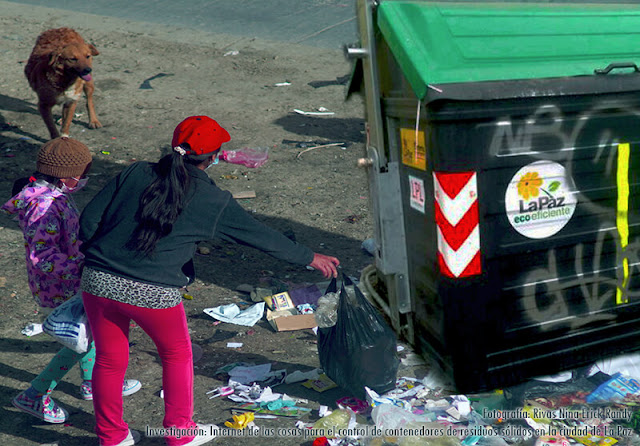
{"x":540,"y":199}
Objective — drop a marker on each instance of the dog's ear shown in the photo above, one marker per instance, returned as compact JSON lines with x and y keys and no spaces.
{"x":94,"y":50}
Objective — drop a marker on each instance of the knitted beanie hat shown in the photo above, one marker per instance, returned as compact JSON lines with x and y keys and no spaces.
{"x":63,"y":157}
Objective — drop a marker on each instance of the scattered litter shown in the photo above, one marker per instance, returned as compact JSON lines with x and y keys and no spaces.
{"x":337,"y":420}
{"x":342,"y":80}
{"x":224,"y":370}
{"x":245,"y":194}
{"x":282,"y":84}
{"x":105,"y":152}
{"x":251,"y":157}
{"x":231,"y":53}
{"x":231,"y":313}
{"x":269,"y":417}
{"x":220,"y":391}
{"x":337,"y":144}
{"x":234,"y":344}
{"x":318,"y":113}
{"x":240,"y":421}
{"x":284,"y":411}
{"x":250,"y":374}
{"x":617,"y":388}
{"x":279,"y":301}
{"x":259,"y":294}
{"x":298,"y":376}
{"x":321,"y":384}
{"x":628,"y":365}
{"x":32,"y":329}
{"x":355,"y":404}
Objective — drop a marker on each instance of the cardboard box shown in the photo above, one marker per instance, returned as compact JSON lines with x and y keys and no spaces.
{"x":287,"y":320}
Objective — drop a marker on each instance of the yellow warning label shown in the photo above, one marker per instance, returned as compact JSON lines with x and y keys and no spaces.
{"x":414,"y":155}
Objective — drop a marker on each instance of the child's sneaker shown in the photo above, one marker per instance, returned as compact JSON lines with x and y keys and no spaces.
{"x":42,"y":407}
{"x":129,"y":387}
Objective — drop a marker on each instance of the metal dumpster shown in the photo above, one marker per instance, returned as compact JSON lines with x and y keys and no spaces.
{"x":503,"y":145}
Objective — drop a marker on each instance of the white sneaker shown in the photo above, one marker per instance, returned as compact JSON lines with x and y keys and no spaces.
{"x":207,"y":433}
{"x":132,"y":438}
{"x":129,"y":387}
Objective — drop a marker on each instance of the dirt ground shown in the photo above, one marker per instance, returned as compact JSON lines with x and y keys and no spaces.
{"x":147,"y":80}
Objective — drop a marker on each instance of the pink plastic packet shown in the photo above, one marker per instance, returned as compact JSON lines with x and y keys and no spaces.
{"x":248,"y":157}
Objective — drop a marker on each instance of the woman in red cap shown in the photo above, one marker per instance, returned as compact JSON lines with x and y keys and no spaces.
{"x":139,"y":236}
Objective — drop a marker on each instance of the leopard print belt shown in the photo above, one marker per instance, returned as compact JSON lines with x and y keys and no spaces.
{"x":140,"y":294}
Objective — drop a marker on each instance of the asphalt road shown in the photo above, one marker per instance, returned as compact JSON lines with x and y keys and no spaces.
{"x":319,"y":23}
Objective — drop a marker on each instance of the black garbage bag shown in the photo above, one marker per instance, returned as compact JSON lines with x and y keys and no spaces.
{"x":360,"y":349}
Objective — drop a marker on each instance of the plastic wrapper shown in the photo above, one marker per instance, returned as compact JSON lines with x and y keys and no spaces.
{"x":618,"y":388}
{"x":248,"y":157}
{"x":338,"y":419}
{"x":326,"y":313}
{"x":69,"y":325}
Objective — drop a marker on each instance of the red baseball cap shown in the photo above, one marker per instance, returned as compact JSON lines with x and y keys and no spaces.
{"x":203,"y":134}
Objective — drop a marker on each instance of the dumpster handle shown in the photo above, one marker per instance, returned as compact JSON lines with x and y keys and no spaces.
{"x":616,"y":65}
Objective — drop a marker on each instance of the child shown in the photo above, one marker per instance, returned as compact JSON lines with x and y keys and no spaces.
{"x":140,"y":234}
{"x":49,"y":221}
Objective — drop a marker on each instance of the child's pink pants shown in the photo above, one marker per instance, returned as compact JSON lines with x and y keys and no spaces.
{"x":109,"y":320}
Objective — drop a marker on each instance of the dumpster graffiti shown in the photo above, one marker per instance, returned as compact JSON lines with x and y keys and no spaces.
{"x":549,"y":298}
{"x":596,"y":287}
{"x":545,"y":122}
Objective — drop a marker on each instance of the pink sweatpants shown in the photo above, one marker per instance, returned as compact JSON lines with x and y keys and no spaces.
{"x":167,"y":328}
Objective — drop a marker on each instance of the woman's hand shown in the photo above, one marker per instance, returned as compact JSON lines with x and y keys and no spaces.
{"x":325,"y":264}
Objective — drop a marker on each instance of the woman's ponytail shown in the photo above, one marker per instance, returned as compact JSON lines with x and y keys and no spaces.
{"x":161,"y":202}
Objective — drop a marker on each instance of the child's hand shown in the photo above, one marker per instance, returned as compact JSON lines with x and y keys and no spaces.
{"x":325,"y":264}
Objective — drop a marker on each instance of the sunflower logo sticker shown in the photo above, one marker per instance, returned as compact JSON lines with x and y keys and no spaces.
{"x":529,"y":185}
{"x":540,"y":199}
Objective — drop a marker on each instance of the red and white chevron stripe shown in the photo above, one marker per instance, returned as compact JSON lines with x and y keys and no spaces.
{"x":457,"y":223}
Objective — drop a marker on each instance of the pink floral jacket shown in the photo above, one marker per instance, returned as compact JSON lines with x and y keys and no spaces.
{"x":50,"y":224}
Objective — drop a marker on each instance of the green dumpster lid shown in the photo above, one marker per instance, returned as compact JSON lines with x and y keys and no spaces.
{"x":444,"y":43}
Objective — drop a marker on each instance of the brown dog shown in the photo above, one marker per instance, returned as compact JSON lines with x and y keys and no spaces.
{"x":59,"y":68}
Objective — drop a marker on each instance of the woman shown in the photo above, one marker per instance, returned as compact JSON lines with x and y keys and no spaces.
{"x":140,"y":234}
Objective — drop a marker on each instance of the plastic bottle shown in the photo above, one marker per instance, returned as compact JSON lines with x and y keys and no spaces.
{"x":326,"y":313}
{"x":248,"y":157}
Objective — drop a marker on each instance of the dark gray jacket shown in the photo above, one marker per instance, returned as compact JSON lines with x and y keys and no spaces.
{"x":109,"y":219}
